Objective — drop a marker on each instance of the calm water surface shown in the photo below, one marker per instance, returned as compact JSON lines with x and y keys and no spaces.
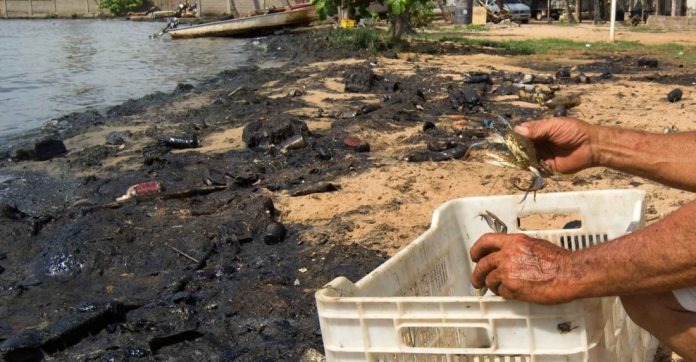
{"x":52,"y":67}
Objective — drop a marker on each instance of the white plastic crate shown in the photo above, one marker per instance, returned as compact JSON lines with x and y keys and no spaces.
{"x":420,"y":305}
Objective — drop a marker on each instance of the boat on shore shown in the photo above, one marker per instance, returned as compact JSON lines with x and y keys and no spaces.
{"x":300,"y":15}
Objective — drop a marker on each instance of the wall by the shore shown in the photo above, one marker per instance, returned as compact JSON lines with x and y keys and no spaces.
{"x":90,"y":8}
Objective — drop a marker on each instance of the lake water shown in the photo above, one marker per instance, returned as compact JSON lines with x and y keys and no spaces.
{"x":52,"y":67}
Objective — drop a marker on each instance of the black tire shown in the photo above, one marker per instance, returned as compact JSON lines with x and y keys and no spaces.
{"x":539,"y":16}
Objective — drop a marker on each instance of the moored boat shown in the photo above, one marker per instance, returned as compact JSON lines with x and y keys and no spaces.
{"x":300,"y":16}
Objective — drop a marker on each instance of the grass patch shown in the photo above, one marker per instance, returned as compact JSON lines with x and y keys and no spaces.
{"x":369,"y":39}
{"x":470,"y":28}
{"x":564,"y":46}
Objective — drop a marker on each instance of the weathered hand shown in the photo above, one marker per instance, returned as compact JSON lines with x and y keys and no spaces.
{"x":565,"y":144}
{"x":516,"y":266}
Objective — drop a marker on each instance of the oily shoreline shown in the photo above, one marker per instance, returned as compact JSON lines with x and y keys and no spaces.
{"x":193,"y":271}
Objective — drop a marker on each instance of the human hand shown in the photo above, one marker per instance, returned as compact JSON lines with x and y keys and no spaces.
{"x":515,"y":266}
{"x":565,"y":144}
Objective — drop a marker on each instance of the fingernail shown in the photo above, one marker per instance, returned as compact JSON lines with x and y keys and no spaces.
{"x":523,"y":130}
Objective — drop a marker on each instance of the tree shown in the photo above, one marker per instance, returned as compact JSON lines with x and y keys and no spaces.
{"x":597,"y":12}
{"x":121,"y":7}
{"x":400,"y":11}
{"x":571,"y":18}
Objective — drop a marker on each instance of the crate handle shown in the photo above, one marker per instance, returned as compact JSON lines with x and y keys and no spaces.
{"x":481,"y":326}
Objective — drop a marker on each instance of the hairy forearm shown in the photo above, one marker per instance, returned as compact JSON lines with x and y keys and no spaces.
{"x":668,"y":159}
{"x":660,"y":257}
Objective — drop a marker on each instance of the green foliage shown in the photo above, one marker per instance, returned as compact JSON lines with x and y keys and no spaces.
{"x":358,"y":8}
{"x":422,"y":14}
{"x":121,"y":7}
{"x":368,"y":39}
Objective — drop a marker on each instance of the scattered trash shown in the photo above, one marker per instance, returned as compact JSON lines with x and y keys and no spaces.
{"x":568,"y":101}
{"x":447,"y":155}
{"x":296,"y":283}
{"x":465,"y":97}
{"x":145,"y":189}
{"x":316,"y":189}
{"x":560,"y":111}
{"x":563,"y":73}
{"x":543,"y":79}
{"x":606,"y":75}
{"x":420,"y":94}
{"x":393,"y":87}
{"x":296,"y":142}
{"x":476,"y":77}
{"x":675,"y":95}
{"x":312,"y":355}
{"x":357,"y":144}
{"x":180,"y":142}
{"x":323,"y":153}
{"x":11,"y":212}
{"x":295,"y":93}
{"x":427,"y":126}
{"x":117,"y":138}
{"x":360,"y":80}
{"x":582,"y":79}
{"x":670,"y":129}
{"x":525,"y":79}
{"x":439,"y":146}
{"x":41,"y":150}
{"x":368,"y":108}
{"x":647,"y":62}
{"x":264,"y":133}
{"x":274,"y":233}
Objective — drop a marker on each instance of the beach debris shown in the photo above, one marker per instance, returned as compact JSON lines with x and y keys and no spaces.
{"x":543,"y":79}
{"x":441,"y":145}
{"x":524,"y":78}
{"x":356,"y":144}
{"x":647,"y":62}
{"x":560,"y":111}
{"x":391,"y":55}
{"x":507,"y":90}
{"x":431,"y":156}
{"x":420,"y":94}
{"x":563,"y":73}
{"x":606,"y":75}
{"x":117,"y":138}
{"x":427,"y":126}
{"x":312,"y":355}
{"x":41,"y":150}
{"x":536,"y":94}
{"x":675,"y":95}
{"x":214,"y":177}
{"x":323,"y":153}
{"x":183,"y":88}
{"x":33,"y":345}
{"x":568,"y":101}
{"x":476,"y":77}
{"x":360,"y":80}
{"x":393,"y":86}
{"x":296,"y":142}
{"x":159,"y":342}
{"x":295,"y":93}
{"x":582,"y":79}
{"x":11,"y":212}
{"x":264,"y":133}
{"x":141,"y":190}
{"x":317,"y":188}
{"x":274,"y":233}
{"x":189,"y":257}
{"x":518,"y":152}
{"x":670,"y":129}
{"x":368,"y":108}
{"x":465,"y":97}
{"x":180,"y":142}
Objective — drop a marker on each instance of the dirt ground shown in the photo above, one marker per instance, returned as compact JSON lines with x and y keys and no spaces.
{"x":187,"y":274}
{"x":591,"y":33}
